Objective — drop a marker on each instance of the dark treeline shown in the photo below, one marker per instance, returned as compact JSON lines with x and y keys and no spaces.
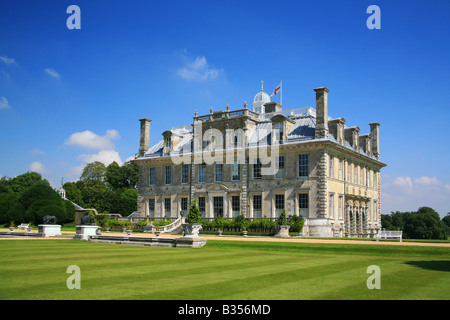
{"x":27,"y":198}
{"x":424,"y":223}
{"x":109,"y":189}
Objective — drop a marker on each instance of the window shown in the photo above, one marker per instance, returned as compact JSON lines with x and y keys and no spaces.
{"x":219,"y":170}
{"x":201,"y":205}
{"x":355,"y":174}
{"x":331,"y":205}
{"x":340,"y":169}
{"x":167,"y":142}
{"x":257,"y":170}
{"x":152,"y":177}
{"x":236,"y":206}
{"x":202,"y":173}
{"x":341,"y":206}
{"x":168,"y":179}
{"x":236,"y":171}
{"x":303,"y":165}
{"x":151,"y":208}
{"x":279,"y":204}
{"x":303,"y":205}
{"x":361,"y":176}
{"x":257,"y":205}
{"x":349,"y":176}
{"x":367,"y":177}
{"x":184,"y":204}
{"x":279,"y":131}
{"x":218,"y":206}
{"x":185,"y":173}
{"x":167,"y":203}
{"x":331,"y":167}
{"x":280,"y":167}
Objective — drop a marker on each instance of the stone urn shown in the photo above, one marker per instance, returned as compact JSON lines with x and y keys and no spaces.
{"x":157,"y":233}
{"x":129,"y":232}
{"x":11,"y":228}
{"x":282,"y":231}
{"x":219,"y":232}
{"x":191,"y":230}
{"x":244,"y":233}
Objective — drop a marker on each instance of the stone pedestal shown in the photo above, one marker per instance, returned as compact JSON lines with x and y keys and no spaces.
{"x":282,"y":231}
{"x":191,"y":230}
{"x":190,"y":237}
{"x":49,"y":230}
{"x":320,"y":228}
{"x":83,"y":232}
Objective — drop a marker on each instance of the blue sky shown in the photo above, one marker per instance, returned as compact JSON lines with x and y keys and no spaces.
{"x":68,"y":97}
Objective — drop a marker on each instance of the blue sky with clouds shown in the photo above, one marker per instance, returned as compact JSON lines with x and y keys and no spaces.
{"x":68,"y":97}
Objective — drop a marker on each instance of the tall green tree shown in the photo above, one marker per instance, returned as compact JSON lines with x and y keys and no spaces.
{"x":94,"y":171}
{"x":425,"y":224}
{"x":74,"y":193}
{"x":124,"y":176}
{"x":22,"y":182}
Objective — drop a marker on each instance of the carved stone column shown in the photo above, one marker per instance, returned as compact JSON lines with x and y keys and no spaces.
{"x":322,"y":184}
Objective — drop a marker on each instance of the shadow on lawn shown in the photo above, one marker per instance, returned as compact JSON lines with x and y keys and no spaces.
{"x":439,"y":265}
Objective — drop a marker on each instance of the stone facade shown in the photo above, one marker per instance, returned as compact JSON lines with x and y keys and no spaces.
{"x":257,"y":164}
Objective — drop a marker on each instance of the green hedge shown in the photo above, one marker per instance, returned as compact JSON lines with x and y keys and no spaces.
{"x":261,"y":225}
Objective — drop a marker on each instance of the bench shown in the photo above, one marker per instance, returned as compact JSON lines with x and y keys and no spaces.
{"x":390,"y":235}
{"x":23,"y":226}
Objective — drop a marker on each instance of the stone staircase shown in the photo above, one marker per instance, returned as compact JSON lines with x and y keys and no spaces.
{"x":174,"y":227}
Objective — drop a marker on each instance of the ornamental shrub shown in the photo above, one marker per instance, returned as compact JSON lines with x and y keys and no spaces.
{"x":296,"y":223}
{"x":194,"y":215}
{"x":282,"y":220}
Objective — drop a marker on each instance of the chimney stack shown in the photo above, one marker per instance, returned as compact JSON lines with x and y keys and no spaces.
{"x":375,"y":133}
{"x":321,"y":112}
{"x":145,"y":136}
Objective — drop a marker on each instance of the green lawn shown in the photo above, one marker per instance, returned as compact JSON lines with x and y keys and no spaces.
{"x":225,"y":270}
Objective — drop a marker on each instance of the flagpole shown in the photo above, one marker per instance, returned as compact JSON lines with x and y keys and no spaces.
{"x":281,"y":93}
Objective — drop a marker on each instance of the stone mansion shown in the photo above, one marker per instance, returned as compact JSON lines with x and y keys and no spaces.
{"x":256,"y":162}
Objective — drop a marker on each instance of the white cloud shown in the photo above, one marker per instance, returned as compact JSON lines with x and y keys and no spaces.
{"x":4,"y":104}
{"x":88,"y":139}
{"x":75,"y":172}
{"x":53,"y":73}
{"x":104,"y":156}
{"x":409,"y":194}
{"x":7,"y":60}
{"x":198,"y":70}
{"x":405,"y":182}
{"x":36,"y":151}
{"x":431,"y":181}
{"x":104,"y":144}
{"x":38,"y":167}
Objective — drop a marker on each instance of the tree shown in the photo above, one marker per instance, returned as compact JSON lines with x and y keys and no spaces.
{"x":425,"y":224}
{"x":446,"y":220}
{"x":124,"y":201}
{"x":97,"y":195}
{"x":7,"y":201}
{"x":194,"y":215}
{"x":386,"y":222}
{"x":38,"y":192}
{"x":296,"y":223}
{"x":94,"y":171}
{"x":74,"y":193}
{"x":113,"y":176}
{"x":22,"y":182}
{"x":124,"y":176}
{"x":282,"y":220}
{"x":130,"y":173}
